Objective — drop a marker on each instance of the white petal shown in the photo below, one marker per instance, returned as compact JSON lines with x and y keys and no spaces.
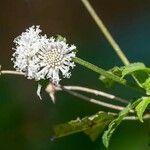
{"x":38,"y":92}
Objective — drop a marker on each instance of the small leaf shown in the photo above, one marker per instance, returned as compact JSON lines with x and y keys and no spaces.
{"x":141,"y":107}
{"x":146,"y":86}
{"x":92,"y":125}
{"x":115,"y":71}
{"x":61,"y":38}
{"x":106,"y":81}
{"x":114,"y":124}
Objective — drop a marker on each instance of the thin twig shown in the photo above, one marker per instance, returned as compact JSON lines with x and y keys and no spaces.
{"x":145,"y":117}
{"x":93,"y":91}
{"x":11,"y":72}
{"x":105,"y":31}
{"x":94,"y":101}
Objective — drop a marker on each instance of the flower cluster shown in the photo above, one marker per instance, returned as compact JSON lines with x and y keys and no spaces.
{"x":40,"y":57}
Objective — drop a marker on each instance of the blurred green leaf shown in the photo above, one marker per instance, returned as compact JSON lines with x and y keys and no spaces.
{"x":141,"y":107}
{"x":115,"y":71}
{"x":114,"y":124}
{"x":132,"y":68}
{"x":146,"y":86}
{"x":92,"y":125}
{"x":61,"y":38}
{"x":140,"y":73}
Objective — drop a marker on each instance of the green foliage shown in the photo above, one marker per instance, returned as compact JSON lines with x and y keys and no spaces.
{"x":139,"y":72}
{"x":109,"y":82}
{"x":141,"y":107}
{"x":133,"y":68}
{"x":146,"y":86}
{"x":92,"y":126}
{"x":114,"y":124}
{"x":61,"y":38}
{"x":100,"y":71}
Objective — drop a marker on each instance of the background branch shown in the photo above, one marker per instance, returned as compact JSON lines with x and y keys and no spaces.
{"x":51,"y":88}
{"x":94,"y":101}
{"x":105,"y":31}
{"x":95,"y":92}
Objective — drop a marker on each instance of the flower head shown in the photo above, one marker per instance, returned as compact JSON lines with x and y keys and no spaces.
{"x":40,"y":57}
{"x":27,"y":45}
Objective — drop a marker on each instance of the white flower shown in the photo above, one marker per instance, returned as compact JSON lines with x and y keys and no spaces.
{"x":55,"y":57}
{"x":27,"y":44}
{"x":40,"y":57}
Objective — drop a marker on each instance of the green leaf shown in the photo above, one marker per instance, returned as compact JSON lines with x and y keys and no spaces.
{"x":61,"y":38}
{"x":92,"y":125}
{"x":140,"y":73}
{"x":100,"y":121}
{"x":141,"y":107}
{"x":115,"y":71}
{"x":132,"y":68}
{"x":146,"y":86}
{"x":114,"y":124}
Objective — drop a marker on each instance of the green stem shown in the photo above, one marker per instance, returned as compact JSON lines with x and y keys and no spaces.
{"x":106,"y":74}
{"x":107,"y":34}
{"x":99,"y":70}
{"x":105,"y":31}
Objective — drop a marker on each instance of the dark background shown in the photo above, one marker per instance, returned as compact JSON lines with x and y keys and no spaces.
{"x":26,"y":122}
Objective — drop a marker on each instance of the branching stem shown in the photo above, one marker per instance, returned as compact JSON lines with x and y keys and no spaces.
{"x":95,"y":92}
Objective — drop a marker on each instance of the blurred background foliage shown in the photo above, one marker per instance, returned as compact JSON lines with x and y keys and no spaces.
{"x":27,"y":122}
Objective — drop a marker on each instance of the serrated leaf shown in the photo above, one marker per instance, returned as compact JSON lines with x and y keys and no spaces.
{"x":114,"y":124}
{"x":92,"y":126}
{"x":141,"y":107}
